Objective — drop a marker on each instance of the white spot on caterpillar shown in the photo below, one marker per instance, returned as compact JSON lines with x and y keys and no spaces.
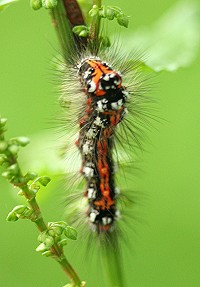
{"x":90,"y":134}
{"x":120,"y":103}
{"x":100,"y":106}
{"x":87,"y":148}
{"x":117,"y":82}
{"x":106,"y":77}
{"x":114,"y":106}
{"x":98,"y":121}
{"x":86,"y":74}
{"x":91,"y":193}
{"x":93,"y":215}
{"x":106,"y":220}
{"x":92,"y":87}
{"x":88,"y":171}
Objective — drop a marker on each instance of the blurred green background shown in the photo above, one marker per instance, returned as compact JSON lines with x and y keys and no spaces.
{"x":166,"y":250}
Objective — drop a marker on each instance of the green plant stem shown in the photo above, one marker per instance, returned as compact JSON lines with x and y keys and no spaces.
{"x":62,"y":27}
{"x":41,"y":225}
{"x":95,"y":23}
{"x":20,"y":181}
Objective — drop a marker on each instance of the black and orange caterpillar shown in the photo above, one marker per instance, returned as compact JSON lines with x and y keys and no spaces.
{"x":106,"y":107}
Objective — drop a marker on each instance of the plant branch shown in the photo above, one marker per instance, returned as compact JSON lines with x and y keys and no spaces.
{"x":62,"y":27}
{"x":95,"y":22}
{"x":8,"y":159}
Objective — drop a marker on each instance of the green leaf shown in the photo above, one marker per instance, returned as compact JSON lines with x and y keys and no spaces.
{"x":173,"y":41}
{"x":5,"y":3}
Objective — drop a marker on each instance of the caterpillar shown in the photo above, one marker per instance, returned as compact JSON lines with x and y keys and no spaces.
{"x":99,"y":87}
{"x":106,"y":98}
{"x":104,"y":95}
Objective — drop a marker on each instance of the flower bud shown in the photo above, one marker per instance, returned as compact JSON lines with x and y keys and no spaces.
{"x":12,"y":216}
{"x":3,"y":146}
{"x":3,"y":158}
{"x":13,"y":169}
{"x":63,"y":242}
{"x":109,"y":13}
{"x":22,"y":141}
{"x":44,"y":180}
{"x":49,"y":241}
{"x":123,"y":20}
{"x":14,"y":149}
{"x":58,"y":230}
{"x":31,"y":175}
{"x":70,"y":233}
{"x":47,"y":253}
{"x":94,"y":11}
{"x":19,"y":209}
{"x":49,"y":4}
{"x":36,"y":4}
{"x":41,"y":248}
{"x":3,"y":121}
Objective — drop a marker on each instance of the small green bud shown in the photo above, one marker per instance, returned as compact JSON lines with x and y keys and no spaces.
{"x":49,"y":4}
{"x":94,"y":11}
{"x":41,"y":248}
{"x":31,"y":175}
{"x":13,"y":169}
{"x":47,"y":253}
{"x":27,"y":213}
{"x":51,"y":232}
{"x":62,"y":224}
{"x":22,"y":141}
{"x":123,"y":20}
{"x":3,"y":158}
{"x":14,"y":149}
{"x":109,"y":13}
{"x":58,"y":230}
{"x":19,"y":209}
{"x":81,"y":30}
{"x":63,"y":242}
{"x":42,"y":236}
{"x":84,"y":33}
{"x":44,"y":180}
{"x":49,"y":241}
{"x":3,"y":146}
{"x":3,"y":121}
{"x":36,"y":4}
{"x":21,"y":193}
{"x":34,"y":188}
{"x":12,"y":216}
{"x":6,"y":174}
{"x":70,"y":233}
{"x":58,"y":238}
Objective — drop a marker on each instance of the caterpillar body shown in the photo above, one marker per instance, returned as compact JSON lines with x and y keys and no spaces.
{"x":104,"y":95}
{"x":106,"y":98}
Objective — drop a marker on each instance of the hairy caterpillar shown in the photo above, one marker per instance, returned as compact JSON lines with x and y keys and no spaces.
{"x":105,"y":100}
{"x":99,"y":87}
